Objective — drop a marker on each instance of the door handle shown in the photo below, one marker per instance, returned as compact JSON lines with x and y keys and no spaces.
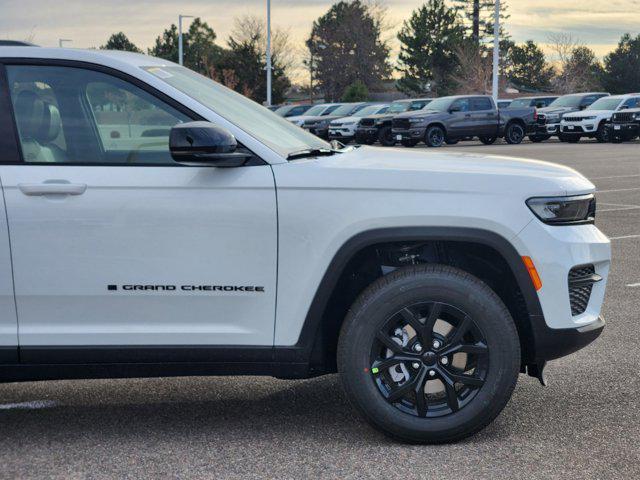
{"x":467,"y":115}
{"x":52,"y":188}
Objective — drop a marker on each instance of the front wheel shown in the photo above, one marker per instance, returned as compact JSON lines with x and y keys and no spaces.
{"x":451,"y":141}
{"x":429,"y":354}
{"x":602,"y":135}
{"x":514,"y":134}
{"x":488,"y":140}
{"x":434,"y":136}
{"x":385,"y":137}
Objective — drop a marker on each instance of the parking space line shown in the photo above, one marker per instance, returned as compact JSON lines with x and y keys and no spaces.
{"x":633,"y":285}
{"x":619,"y":190}
{"x":601,"y":210}
{"x":623,"y":237}
{"x":35,"y":405}
{"x":613,"y":176}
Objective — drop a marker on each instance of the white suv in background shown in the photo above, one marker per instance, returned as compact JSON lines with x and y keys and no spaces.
{"x":344,"y":129}
{"x":319,"y":110}
{"x":592,"y":121}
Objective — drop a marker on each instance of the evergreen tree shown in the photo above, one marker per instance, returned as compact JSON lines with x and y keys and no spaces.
{"x":356,"y":92}
{"x":346,"y":46}
{"x":428,"y":40}
{"x":198,"y":43}
{"x":528,"y":68}
{"x":622,"y":66}
{"x":119,"y":41}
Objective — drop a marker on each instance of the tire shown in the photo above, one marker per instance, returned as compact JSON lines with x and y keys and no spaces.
{"x":385,"y":137}
{"x":573,"y":139}
{"x":488,"y":140}
{"x":539,"y":138}
{"x":409,"y":143}
{"x":435,"y":136}
{"x":409,"y":295}
{"x":514,"y":134}
{"x":452,"y":141}
{"x":602,"y":135}
{"x":563,"y":138}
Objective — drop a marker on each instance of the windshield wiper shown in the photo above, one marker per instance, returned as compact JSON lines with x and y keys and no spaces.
{"x":312,"y":152}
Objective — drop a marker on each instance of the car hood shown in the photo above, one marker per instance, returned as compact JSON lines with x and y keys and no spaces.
{"x":345,"y":119}
{"x":548,"y":110}
{"x":398,"y":169}
{"x":593,"y":113}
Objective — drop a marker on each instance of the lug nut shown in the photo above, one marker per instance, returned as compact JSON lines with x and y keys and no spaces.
{"x":418,"y":347}
{"x":444,"y":361}
{"x":436,"y":344}
{"x":415,"y":365}
{"x":432,"y":373}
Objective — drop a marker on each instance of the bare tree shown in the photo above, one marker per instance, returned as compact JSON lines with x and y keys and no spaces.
{"x":577,"y":66}
{"x":474,"y":75}
{"x":252,"y":29}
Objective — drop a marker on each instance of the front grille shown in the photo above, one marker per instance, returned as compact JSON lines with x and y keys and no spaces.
{"x":367,"y":122}
{"x":623,"y":117}
{"x":401,"y":123}
{"x":542,"y":119}
{"x":572,"y":119}
{"x":581,"y":280}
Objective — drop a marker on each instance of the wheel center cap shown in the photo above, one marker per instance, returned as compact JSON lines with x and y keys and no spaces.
{"x":429,"y":359}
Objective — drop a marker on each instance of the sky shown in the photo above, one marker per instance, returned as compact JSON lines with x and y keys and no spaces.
{"x":88,"y":23}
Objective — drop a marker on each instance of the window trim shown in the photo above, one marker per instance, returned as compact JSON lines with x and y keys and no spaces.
{"x":9,"y":143}
{"x":5,"y":95}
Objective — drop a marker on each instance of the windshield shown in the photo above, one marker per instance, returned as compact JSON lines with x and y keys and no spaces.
{"x":397,"y":107}
{"x":370,"y":110}
{"x":284,"y":109}
{"x":316,"y":111}
{"x":520,"y":103}
{"x":262,"y":124}
{"x":567,"y":101}
{"x":439,"y":104}
{"x":343,"y":110}
{"x":605,"y":103}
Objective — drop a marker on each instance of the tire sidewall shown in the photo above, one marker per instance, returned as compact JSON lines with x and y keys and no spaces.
{"x":510,"y":132}
{"x":427,"y":136}
{"x":475,"y":299}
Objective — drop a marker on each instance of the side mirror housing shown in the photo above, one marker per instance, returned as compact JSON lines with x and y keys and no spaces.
{"x":204,"y":144}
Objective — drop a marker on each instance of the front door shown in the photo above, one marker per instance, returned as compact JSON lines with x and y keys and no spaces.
{"x":117,"y":248}
{"x":461,"y":122}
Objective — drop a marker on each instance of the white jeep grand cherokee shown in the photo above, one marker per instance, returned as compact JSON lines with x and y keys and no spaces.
{"x":156,"y":223}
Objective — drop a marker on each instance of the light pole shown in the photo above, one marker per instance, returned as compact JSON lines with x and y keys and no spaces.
{"x":180,"y":17}
{"x":62,"y":40}
{"x":496,"y":51}
{"x":269,"y":67}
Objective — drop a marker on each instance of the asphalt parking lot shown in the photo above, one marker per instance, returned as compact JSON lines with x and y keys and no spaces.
{"x":585,"y":424}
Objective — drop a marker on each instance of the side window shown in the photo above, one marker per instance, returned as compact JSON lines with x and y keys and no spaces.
{"x":74,"y":115}
{"x":586,"y":101}
{"x":295,"y":111}
{"x":632,"y":103}
{"x":461,"y":105}
{"x":417,"y":106}
{"x":329,"y":110}
{"x":383,"y":110}
{"x":481,"y":103}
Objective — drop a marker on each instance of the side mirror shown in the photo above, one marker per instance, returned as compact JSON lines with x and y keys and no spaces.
{"x":204,"y":144}
{"x":582,"y":107}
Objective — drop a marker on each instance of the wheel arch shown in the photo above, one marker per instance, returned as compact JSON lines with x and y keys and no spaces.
{"x":315,"y":340}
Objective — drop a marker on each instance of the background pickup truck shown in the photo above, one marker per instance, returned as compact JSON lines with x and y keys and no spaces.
{"x":450,"y":119}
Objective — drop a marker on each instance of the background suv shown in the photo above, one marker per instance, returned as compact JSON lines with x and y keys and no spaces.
{"x":344,"y":129}
{"x":548,"y":122}
{"x":592,"y":121}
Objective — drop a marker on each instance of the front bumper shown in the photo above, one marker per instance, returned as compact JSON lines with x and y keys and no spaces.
{"x":416,"y":133}
{"x":555,"y":251}
{"x":623,"y":130}
{"x":366,"y":134}
{"x":588,"y":128}
{"x":547,"y":129}
{"x":322,"y":132}
{"x":341,"y":133}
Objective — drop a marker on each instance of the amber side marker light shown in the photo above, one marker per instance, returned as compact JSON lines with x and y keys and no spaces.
{"x":533,"y":273}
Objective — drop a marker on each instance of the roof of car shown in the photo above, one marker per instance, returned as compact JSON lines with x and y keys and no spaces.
{"x":91,"y":56}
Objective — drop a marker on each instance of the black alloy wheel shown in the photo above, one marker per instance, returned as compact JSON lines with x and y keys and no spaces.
{"x":425,"y":373}
{"x":434,"y":136}
{"x":385,"y":137}
{"x":488,"y":140}
{"x":515,"y":133}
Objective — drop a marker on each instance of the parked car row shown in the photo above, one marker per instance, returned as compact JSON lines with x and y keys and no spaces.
{"x":449,"y":120}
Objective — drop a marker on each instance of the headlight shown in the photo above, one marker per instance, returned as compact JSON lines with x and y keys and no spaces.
{"x":589,"y":118}
{"x":553,"y":116}
{"x":575,"y":210}
{"x":636,"y":116}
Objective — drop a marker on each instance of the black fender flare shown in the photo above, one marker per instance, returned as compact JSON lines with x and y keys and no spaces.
{"x":303,"y":349}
